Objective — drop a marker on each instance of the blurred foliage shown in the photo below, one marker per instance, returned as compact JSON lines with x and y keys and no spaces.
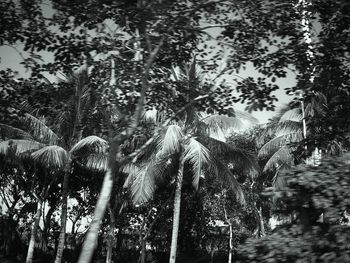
{"x":318,"y":198}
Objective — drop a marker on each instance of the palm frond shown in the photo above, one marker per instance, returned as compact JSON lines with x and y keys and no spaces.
{"x":148,"y":152}
{"x":92,"y":144}
{"x":239,"y":158}
{"x":221,"y":123}
{"x":96,"y":162}
{"x":198,"y":156}
{"x":282,"y":156}
{"x":279,"y":141}
{"x":19,"y":147}
{"x":246,"y":116}
{"x":287,"y":127}
{"x":292,"y":115}
{"x":283,"y":127}
{"x":39,"y":130}
{"x":227,"y":177}
{"x":171,"y":142}
{"x":9,"y":132}
{"x":278,"y":181}
{"x":142,"y":179}
{"x":52,"y":156}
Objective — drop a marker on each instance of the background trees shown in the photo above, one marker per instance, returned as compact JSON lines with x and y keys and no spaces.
{"x":132,"y":52}
{"x":310,"y":191}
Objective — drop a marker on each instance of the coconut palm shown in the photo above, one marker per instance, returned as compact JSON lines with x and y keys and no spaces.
{"x":183,"y":146}
{"x":287,"y":129}
{"x":56,"y":152}
{"x":43,"y":146}
{"x":187,"y":143}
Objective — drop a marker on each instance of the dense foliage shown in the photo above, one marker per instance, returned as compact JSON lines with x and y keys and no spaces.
{"x":317,"y":198}
{"x":124,"y":142}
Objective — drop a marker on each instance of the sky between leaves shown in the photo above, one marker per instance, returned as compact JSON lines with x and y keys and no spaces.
{"x":12,"y":56}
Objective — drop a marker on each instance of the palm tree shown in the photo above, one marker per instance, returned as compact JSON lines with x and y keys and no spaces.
{"x":180,"y":147}
{"x":189,"y":145}
{"x":43,"y":146}
{"x":56,"y":152}
{"x":288,"y":129}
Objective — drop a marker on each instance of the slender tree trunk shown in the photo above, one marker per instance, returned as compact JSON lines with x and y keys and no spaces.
{"x":62,"y":237}
{"x":230,"y":243}
{"x":261,"y":223}
{"x":109,"y":253}
{"x":47,"y":223}
{"x":31,"y":246}
{"x":143,"y":249}
{"x":90,"y":242}
{"x":229,"y":221}
{"x":176,"y":218}
{"x":110,"y":237}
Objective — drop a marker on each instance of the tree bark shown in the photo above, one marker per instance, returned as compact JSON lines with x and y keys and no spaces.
{"x":109,"y":252}
{"x":62,"y":237}
{"x":31,"y":246}
{"x":143,"y":250}
{"x":261,"y":223}
{"x":90,"y":242}
{"x":176,"y":217}
{"x":110,"y":237}
{"x":230,"y":243}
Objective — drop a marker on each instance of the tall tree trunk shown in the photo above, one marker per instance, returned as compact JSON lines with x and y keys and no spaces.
{"x":62,"y":237}
{"x":90,"y":242}
{"x":109,"y":252}
{"x":143,"y":249}
{"x":37,"y":217}
{"x":110,"y":237}
{"x":261,"y":223}
{"x":230,"y":243}
{"x":176,"y":217}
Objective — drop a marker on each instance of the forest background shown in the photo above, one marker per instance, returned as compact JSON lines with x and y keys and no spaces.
{"x":118,"y":106}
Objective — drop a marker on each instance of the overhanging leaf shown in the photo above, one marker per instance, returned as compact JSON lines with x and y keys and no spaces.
{"x":224,"y":175}
{"x":282,"y":156}
{"x":97,"y":162}
{"x":52,"y":156}
{"x":19,"y":147}
{"x":9,"y":132}
{"x":198,"y":156}
{"x":142,"y":179}
{"x":39,"y":130}
{"x":90,"y":144}
{"x":171,"y":142}
{"x":273,"y":145}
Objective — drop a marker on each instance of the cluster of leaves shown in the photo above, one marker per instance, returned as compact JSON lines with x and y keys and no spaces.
{"x":290,"y":244}
{"x":310,"y":192}
{"x":321,"y":189}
